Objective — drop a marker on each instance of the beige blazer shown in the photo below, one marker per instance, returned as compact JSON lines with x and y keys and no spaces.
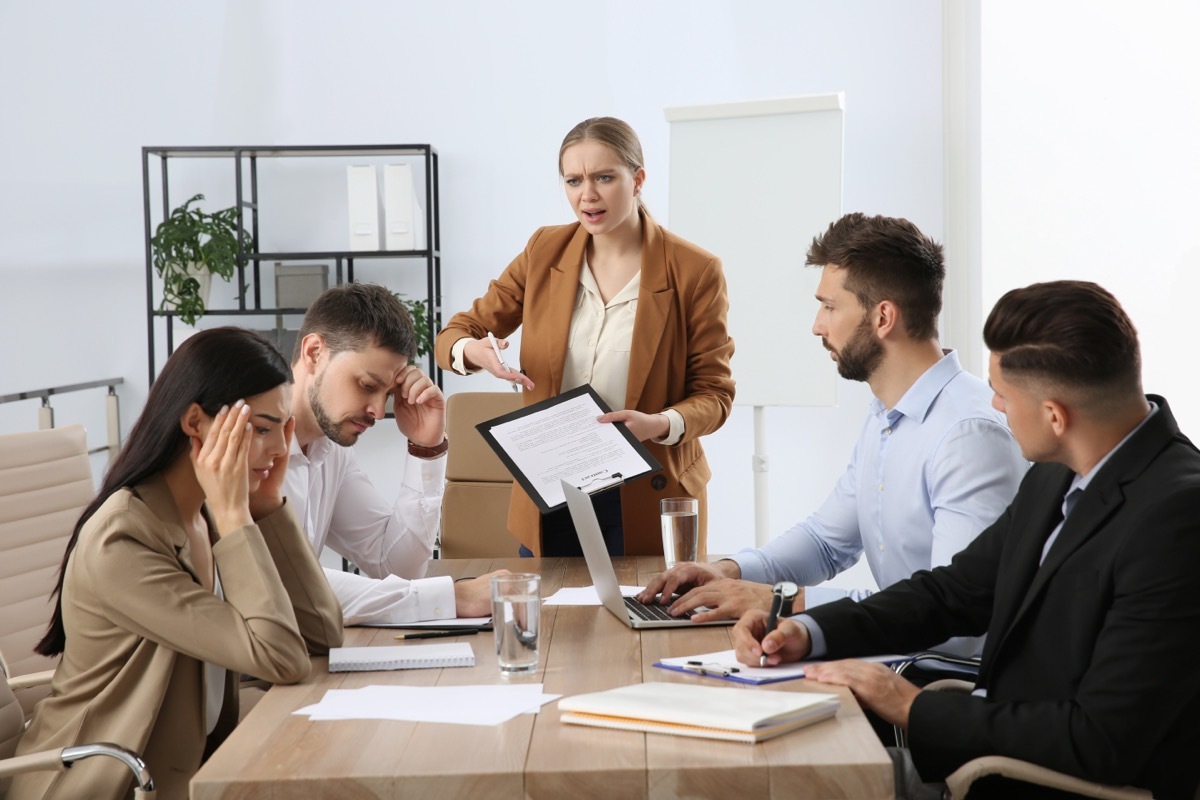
{"x":139,"y":627}
{"x":680,"y":358}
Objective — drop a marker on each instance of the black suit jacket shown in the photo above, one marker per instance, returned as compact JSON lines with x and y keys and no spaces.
{"x":1092,"y":658}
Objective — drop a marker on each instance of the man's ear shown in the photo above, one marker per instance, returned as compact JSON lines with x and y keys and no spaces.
{"x":312,"y":349}
{"x":886,"y":318}
{"x":192,"y":419}
{"x":1057,"y":416}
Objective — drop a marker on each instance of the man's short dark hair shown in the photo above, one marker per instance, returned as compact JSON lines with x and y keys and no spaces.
{"x":886,"y":258}
{"x":355,"y":316}
{"x":1072,"y":335}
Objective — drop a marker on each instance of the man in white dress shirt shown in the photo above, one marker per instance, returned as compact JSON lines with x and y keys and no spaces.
{"x":353,"y":351}
{"x":934,"y":463}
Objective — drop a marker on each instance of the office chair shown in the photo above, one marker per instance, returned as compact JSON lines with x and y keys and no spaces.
{"x":45,"y":483}
{"x":12,"y":725}
{"x":958,"y":784}
{"x":478,"y":485}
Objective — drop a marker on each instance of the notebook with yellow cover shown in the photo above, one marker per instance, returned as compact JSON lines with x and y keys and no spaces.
{"x":706,"y":712}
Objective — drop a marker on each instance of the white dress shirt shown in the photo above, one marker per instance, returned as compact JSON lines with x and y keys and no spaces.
{"x":598,"y":346}
{"x":390,"y":542}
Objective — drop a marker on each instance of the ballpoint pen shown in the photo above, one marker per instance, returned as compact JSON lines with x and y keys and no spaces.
{"x":784,"y":593}
{"x":496,"y":349}
{"x":715,"y":670}
{"x":772,"y":620}
{"x":435,"y":634}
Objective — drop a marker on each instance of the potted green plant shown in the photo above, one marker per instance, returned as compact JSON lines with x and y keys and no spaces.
{"x":191,"y":246}
{"x":419,"y":311}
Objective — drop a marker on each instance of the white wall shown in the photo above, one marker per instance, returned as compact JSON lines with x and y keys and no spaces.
{"x":494,"y":87}
{"x":1091,"y":165}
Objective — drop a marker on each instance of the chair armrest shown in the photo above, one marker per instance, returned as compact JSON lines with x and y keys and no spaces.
{"x":31,"y":679}
{"x":949,"y":685}
{"x":59,"y":759}
{"x":959,"y":782}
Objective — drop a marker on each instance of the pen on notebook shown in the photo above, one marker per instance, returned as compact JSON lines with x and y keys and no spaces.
{"x":772,"y":621}
{"x":710,"y":669}
{"x":435,"y":634}
{"x":496,"y":349}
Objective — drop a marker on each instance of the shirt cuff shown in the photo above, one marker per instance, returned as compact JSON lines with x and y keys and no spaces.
{"x":425,"y":476}
{"x":458,"y":362}
{"x":677,"y":427}
{"x":435,"y":598}
{"x":750,"y":563}
{"x":815,"y":635}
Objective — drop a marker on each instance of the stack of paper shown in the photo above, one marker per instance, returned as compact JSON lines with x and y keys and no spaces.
{"x":707,"y":712}
{"x":460,"y":705}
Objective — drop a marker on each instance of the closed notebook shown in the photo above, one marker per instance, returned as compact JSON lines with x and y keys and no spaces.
{"x":707,"y":712}
{"x":409,"y":656}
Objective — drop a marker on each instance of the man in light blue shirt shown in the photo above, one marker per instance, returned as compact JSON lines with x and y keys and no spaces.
{"x":934,"y":464}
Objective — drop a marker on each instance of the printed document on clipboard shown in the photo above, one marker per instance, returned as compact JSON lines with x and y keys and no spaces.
{"x":560,"y":438}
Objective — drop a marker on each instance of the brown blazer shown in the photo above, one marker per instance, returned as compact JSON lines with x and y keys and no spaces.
{"x":680,"y":358}
{"x":139,"y":628}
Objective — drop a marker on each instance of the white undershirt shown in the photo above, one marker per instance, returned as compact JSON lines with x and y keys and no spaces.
{"x":214,"y":676}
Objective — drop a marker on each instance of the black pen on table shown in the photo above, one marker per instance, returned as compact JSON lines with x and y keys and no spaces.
{"x":772,"y":620}
{"x":437,"y":634}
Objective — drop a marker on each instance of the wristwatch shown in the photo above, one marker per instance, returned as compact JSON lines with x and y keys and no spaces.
{"x":421,"y":451}
{"x":788,"y":591}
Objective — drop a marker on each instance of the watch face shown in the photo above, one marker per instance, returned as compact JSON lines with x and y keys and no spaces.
{"x":787,"y":589}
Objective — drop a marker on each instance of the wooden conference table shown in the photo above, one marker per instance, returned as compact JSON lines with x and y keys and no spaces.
{"x":275,"y":754}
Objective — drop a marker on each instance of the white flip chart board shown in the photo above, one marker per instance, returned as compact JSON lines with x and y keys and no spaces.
{"x":753,"y":182}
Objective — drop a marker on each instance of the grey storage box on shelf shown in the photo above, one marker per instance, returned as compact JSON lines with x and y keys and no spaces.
{"x":297,"y":285}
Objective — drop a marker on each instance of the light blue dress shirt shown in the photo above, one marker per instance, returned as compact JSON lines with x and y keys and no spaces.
{"x":925,"y":478}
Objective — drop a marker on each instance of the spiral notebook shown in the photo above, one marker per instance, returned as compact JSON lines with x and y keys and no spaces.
{"x":408,"y":656}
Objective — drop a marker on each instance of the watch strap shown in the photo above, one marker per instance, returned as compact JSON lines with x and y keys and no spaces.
{"x":421,"y":451}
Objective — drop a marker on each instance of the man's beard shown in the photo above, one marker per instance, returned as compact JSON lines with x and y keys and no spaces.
{"x":861,"y":355}
{"x":328,"y":427}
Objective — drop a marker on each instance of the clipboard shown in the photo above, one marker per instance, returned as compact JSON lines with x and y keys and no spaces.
{"x":634,"y":459}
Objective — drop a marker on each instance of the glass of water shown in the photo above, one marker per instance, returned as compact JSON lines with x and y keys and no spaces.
{"x":516,"y":613}
{"x":680,"y":528}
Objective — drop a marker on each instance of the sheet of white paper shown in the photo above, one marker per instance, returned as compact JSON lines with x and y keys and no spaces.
{"x":437,"y":624}
{"x":583,"y":596}
{"x":566,"y":442}
{"x":459,"y":705}
{"x":728,"y":659}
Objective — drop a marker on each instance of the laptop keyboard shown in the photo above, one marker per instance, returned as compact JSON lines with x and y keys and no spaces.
{"x":652,"y":611}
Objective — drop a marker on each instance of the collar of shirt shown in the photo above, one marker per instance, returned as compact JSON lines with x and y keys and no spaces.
{"x":917,"y":401}
{"x":630,"y":291}
{"x":318,"y":451}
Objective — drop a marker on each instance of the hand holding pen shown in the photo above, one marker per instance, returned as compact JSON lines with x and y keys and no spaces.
{"x":518,"y":379}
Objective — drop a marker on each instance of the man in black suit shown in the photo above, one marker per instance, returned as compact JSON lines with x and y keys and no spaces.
{"x":1087,"y":584}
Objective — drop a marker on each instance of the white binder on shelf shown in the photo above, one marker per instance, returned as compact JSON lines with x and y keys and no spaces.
{"x":363,"y":200}
{"x":399,"y":222}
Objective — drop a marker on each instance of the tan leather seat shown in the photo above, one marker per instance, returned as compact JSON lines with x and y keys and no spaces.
{"x":478,"y":485}
{"x":45,"y":483}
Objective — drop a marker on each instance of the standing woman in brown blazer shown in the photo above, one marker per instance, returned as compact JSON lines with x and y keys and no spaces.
{"x":616,"y":301}
{"x":186,"y":569}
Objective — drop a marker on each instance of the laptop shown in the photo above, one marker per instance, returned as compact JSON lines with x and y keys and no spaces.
{"x":630,"y":611}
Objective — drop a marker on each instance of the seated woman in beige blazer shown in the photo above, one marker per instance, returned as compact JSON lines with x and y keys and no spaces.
{"x":187,"y":569}
{"x":619,"y":302}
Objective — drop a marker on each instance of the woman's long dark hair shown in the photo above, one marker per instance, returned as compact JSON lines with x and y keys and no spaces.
{"x":211,"y":368}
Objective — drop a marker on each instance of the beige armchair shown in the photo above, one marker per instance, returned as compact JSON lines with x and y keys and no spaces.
{"x":478,"y":485}
{"x":12,"y":724}
{"x":958,"y":784}
{"x":45,"y":483}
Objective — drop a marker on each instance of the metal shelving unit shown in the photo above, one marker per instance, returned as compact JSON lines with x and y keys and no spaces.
{"x":245,"y":178}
